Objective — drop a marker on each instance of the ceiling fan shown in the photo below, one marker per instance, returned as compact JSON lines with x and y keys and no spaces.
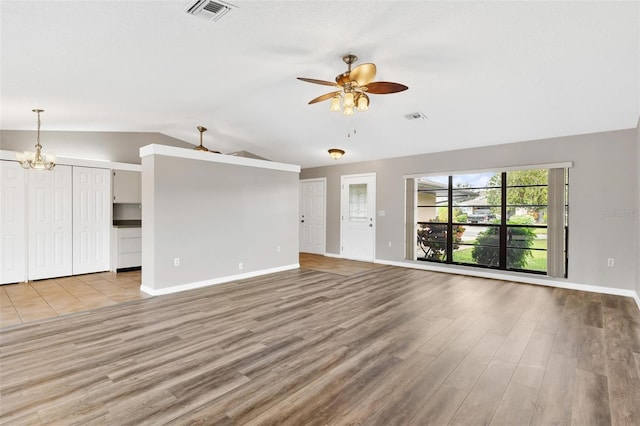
{"x":353,"y":85}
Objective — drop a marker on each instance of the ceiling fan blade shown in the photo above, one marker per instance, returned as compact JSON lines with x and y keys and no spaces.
{"x":384,"y":87}
{"x":312,"y":80}
{"x":323,"y":97}
{"x":363,"y":74}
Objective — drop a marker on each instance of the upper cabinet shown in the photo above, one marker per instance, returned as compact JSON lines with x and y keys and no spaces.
{"x":127,"y":186}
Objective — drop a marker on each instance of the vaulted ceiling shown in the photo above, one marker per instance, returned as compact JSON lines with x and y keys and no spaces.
{"x":483,"y":73}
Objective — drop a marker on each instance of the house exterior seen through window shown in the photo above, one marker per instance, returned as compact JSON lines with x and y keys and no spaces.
{"x":495,"y":220}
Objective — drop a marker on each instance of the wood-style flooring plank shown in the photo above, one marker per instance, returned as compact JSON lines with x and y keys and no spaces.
{"x":555,"y":397}
{"x":353,"y":343}
{"x":591,"y":400}
{"x":516,"y":406}
{"x":484,"y":398}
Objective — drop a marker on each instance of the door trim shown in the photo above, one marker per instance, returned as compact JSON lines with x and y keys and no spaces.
{"x":375,"y":211}
{"x":324,"y":218}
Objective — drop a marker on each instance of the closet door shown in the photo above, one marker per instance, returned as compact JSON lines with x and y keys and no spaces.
{"x":91,"y":219}
{"x":50,"y":222}
{"x":13,"y":265}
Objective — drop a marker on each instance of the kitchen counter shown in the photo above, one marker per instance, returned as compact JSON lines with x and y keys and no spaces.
{"x":127,"y":223}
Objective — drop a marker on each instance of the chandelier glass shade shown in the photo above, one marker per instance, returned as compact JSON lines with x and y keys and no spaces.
{"x":348,"y":102}
{"x":336,"y":153}
{"x":36,"y":160}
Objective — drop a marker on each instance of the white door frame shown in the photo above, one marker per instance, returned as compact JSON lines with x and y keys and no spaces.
{"x":324,"y":224}
{"x":373,"y":211}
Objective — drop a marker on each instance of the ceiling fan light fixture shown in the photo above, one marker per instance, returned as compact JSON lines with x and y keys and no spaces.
{"x":336,"y":153}
{"x":335,"y":104}
{"x":352,"y":86}
{"x":362,"y":102}
{"x":348,"y":100}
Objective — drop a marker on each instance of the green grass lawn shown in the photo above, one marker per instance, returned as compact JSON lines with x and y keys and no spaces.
{"x":537,"y":262}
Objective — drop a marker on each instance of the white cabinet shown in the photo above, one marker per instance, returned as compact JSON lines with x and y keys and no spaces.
{"x":129,"y":247}
{"x":91,"y":219}
{"x":13,"y":266}
{"x":127,"y":186}
{"x":50,"y":223}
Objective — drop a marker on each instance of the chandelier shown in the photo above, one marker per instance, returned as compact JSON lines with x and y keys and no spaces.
{"x":36,"y":160}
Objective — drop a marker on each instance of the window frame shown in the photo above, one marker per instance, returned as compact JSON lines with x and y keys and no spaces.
{"x":503,"y":232}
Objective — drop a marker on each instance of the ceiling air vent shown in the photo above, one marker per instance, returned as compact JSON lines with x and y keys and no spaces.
{"x":415,"y":116}
{"x":209,"y":9}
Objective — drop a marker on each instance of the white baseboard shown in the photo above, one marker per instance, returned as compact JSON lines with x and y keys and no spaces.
{"x":337,"y":256}
{"x":515,"y":277}
{"x":214,"y":281}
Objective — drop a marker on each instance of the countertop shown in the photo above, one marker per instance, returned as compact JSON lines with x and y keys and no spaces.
{"x":127,"y":223}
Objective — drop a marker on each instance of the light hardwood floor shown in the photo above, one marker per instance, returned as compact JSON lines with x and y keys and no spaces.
{"x":367,"y":345}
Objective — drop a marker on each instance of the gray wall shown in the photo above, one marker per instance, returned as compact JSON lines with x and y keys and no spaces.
{"x":603,"y":186}
{"x":122,"y":147}
{"x":213,"y":216}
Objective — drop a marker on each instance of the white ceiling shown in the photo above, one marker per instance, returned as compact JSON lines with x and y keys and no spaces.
{"x":483,"y":73}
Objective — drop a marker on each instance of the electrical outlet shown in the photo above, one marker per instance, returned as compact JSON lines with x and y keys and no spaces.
{"x":278,"y":249}
{"x":176,"y":261}
{"x":610,"y":261}
{"x":240,"y":266}
{"x":389,"y":243}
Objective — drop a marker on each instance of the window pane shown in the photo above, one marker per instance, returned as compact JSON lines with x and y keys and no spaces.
{"x":478,"y":234}
{"x":527,"y":215}
{"x":527,"y":196}
{"x":528,"y":177}
{"x":520,"y":237}
{"x":358,"y":201}
{"x":429,"y":198}
{"x":531,"y":260}
{"x":478,"y":180}
{"x":463,"y":254}
{"x":433,"y":199}
{"x":478,"y":255}
{"x":433,"y":182}
{"x":432,"y":242}
{"x":476,"y":205}
{"x":485,"y":249}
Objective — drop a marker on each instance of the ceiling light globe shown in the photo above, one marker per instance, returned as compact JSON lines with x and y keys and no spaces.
{"x":336,"y":153}
{"x":363,"y":102}
{"x":348,"y":110}
{"x":348,"y":99}
{"x":335,"y":104}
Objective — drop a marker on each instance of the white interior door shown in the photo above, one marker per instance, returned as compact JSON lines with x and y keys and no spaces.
{"x":13,"y":266}
{"x":91,"y":219}
{"x":312,"y":215}
{"x":357,"y":208}
{"x":50,"y":223}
